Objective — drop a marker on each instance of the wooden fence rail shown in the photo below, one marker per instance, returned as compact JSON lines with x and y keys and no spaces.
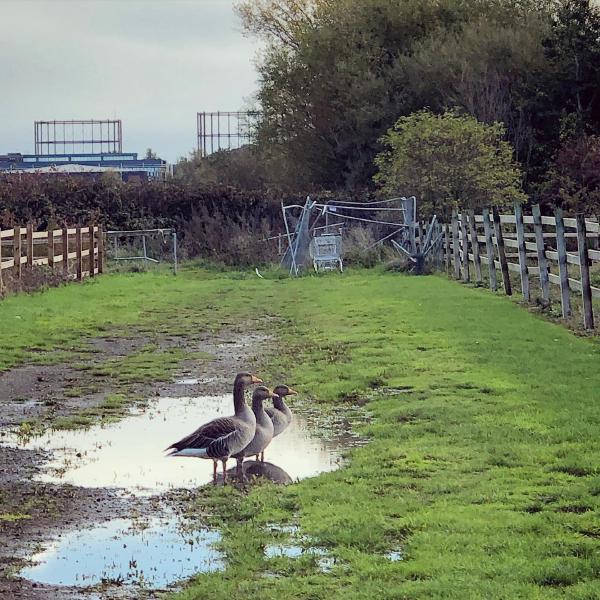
{"x":81,"y":250}
{"x":543,"y":251}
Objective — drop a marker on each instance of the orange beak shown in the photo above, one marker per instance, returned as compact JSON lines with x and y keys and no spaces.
{"x":256,"y":379}
{"x":272,"y":394}
{"x":292,"y":392}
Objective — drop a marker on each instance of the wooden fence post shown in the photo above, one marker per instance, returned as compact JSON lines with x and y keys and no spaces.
{"x":92,"y":256}
{"x":561,"y":248}
{"x":584,"y":265}
{"x":501,"y":252}
{"x":541,"y":252}
{"x":17,"y":251}
{"x":447,"y":245}
{"x":466,"y":275}
{"x":78,"y":259}
{"x":50,"y":247}
{"x":455,"y":242}
{"x":65,"y":250}
{"x":522,"y":252}
{"x":1,"y":280}
{"x":489,"y":246}
{"x":100,"y":250}
{"x":475,"y":246}
{"x":29,"y":244}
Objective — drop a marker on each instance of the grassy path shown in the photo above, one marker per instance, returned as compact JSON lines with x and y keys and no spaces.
{"x":483,"y":470}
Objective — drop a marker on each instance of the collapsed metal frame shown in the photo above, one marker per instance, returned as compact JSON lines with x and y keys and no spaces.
{"x":113,"y":249}
{"x":85,"y":136}
{"x":224,"y":130}
{"x":412,"y":241}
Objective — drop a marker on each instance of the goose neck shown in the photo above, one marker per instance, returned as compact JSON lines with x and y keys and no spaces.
{"x":239,"y":402}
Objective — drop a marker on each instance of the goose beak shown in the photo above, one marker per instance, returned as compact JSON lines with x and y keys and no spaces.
{"x":256,"y":379}
{"x":272,"y":394}
{"x":292,"y":392}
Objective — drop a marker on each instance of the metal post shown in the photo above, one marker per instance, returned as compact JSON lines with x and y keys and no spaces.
{"x":174,"y":253}
{"x":291,"y":250}
{"x":144,"y":248}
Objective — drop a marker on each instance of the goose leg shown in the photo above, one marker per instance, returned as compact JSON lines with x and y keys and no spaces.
{"x":240,"y":469}
{"x":257,"y":457}
{"x":262,"y":456}
{"x":224,"y":462}
{"x":215,"y":464}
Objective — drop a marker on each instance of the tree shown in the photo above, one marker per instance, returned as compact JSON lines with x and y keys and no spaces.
{"x":336,"y":74}
{"x":447,"y":160}
{"x":573,"y":181}
{"x":150,"y":153}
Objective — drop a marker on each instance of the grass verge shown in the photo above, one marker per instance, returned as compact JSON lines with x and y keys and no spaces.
{"x":482,"y":471}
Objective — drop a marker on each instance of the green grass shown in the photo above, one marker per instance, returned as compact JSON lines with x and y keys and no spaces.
{"x":483,"y":466}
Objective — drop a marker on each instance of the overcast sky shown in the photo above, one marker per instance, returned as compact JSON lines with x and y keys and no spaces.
{"x":152,"y":63}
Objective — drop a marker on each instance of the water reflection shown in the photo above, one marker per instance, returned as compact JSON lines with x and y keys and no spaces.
{"x":129,"y":454}
{"x":151,"y":554}
{"x":266,"y":470}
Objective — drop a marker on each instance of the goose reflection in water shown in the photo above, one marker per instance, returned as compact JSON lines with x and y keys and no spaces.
{"x":256,"y":469}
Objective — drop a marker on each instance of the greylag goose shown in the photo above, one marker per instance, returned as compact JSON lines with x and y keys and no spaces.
{"x":280,"y":412}
{"x":264,"y":427}
{"x":220,"y":438}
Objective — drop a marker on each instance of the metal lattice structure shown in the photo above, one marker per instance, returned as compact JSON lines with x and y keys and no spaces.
{"x":224,"y":130}
{"x":85,"y":136}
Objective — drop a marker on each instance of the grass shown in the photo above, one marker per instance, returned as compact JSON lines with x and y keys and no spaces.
{"x":482,"y":470}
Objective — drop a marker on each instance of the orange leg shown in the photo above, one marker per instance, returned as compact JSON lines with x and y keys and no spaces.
{"x":224,"y":470}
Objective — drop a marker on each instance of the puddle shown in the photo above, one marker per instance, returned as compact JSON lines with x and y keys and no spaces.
{"x":188,"y":381}
{"x":130,"y":454}
{"x":150,"y":554}
{"x":326,"y":563}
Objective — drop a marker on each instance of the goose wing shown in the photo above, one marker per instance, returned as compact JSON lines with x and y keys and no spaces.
{"x":208,"y":433}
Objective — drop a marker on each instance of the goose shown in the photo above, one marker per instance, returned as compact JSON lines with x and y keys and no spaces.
{"x":280,"y":413}
{"x":220,"y":438}
{"x":264,"y":428}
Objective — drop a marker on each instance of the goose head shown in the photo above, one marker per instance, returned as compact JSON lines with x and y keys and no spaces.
{"x":284,"y":390}
{"x":247,"y":378}
{"x":260,"y":394}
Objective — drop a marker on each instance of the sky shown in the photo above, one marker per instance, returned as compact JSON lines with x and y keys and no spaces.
{"x":151,"y":63}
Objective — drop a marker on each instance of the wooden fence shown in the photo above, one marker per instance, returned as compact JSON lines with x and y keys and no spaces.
{"x":78,"y":251}
{"x":543,"y":250}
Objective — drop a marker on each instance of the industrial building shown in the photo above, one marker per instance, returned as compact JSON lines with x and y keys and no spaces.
{"x":84,"y":148}
{"x":126,"y":164}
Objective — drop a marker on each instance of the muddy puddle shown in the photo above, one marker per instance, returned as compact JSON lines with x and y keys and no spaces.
{"x":129,"y":456}
{"x":151,"y":554}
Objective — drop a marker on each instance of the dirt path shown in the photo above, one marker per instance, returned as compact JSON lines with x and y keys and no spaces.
{"x":35,"y":512}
